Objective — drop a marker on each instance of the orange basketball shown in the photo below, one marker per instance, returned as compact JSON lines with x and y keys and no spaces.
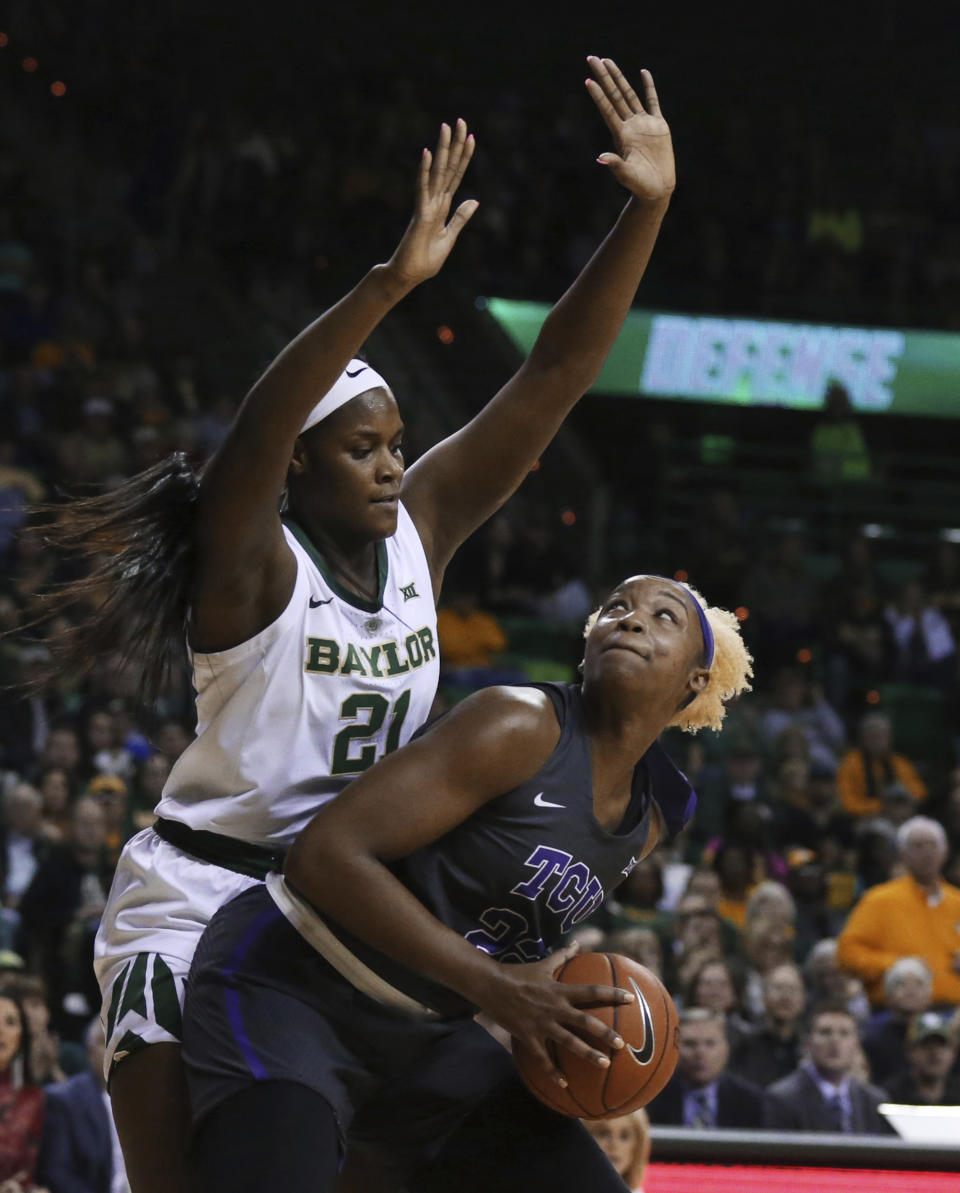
{"x":638,"y":1071}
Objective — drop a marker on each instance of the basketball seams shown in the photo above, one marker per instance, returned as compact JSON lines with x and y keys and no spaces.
{"x":544,"y":1094}
{"x":631,"y":1103}
{"x":616,"y":1028}
{"x":597,"y":1090}
{"x":669,"y":1021}
{"x":556,"y":1053}
{"x":667,"y":1036}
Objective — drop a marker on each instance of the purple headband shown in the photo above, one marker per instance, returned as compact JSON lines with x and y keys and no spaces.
{"x":708,"y":643}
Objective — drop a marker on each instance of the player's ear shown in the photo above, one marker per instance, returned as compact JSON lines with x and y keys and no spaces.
{"x":298,"y":461}
{"x":698,"y":681}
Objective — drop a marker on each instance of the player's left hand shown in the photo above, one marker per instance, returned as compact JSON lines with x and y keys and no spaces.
{"x":643,"y":161}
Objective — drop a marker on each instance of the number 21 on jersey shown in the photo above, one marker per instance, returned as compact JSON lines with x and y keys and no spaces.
{"x":353,"y":749}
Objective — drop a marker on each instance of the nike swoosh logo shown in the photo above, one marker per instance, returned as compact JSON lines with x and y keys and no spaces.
{"x":356,"y":372}
{"x":545,"y":803}
{"x":644,"y":1055}
{"x":315,"y":604}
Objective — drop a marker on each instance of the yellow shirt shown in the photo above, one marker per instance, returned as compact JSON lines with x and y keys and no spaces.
{"x":852,"y":782}
{"x":734,"y":910}
{"x":895,"y":919}
{"x":469,"y":641}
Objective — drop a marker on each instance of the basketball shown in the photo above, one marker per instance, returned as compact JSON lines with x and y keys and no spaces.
{"x":638,"y":1071}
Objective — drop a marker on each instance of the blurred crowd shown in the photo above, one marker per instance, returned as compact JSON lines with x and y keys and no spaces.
{"x":808,"y":924}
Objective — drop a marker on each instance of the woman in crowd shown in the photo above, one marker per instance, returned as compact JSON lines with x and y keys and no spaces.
{"x":626,"y":1144}
{"x":312,"y":636}
{"x":21,"y":1101}
{"x":721,"y":986}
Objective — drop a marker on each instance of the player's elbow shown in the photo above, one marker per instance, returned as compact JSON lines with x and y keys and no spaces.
{"x":316,"y":865}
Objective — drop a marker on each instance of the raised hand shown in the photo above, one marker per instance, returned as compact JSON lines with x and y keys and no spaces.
{"x":643,"y":161}
{"x":534,"y":1008}
{"x":427,"y":242}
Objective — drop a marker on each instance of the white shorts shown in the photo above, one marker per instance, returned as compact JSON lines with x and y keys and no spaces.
{"x":160,"y":902}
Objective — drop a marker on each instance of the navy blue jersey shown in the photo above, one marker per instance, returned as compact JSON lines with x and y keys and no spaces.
{"x":529,"y":866}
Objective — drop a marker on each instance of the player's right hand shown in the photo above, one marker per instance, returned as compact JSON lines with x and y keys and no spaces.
{"x":427,"y":242}
{"x":534,"y":1007}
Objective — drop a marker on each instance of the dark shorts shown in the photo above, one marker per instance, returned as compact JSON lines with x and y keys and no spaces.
{"x":263,"y":1005}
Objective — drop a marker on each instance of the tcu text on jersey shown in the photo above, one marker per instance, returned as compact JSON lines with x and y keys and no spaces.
{"x":559,"y":885}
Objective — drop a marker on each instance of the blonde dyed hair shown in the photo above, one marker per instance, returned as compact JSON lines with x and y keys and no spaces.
{"x":730,"y":671}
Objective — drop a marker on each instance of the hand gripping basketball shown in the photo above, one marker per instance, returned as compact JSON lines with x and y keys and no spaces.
{"x":638,"y":1071}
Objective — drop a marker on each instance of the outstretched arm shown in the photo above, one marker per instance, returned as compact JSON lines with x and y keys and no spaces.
{"x":245,"y":572}
{"x":487,"y":745}
{"x":459,"y":483}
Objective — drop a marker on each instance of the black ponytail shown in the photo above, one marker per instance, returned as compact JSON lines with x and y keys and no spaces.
{"x":139,"y":539}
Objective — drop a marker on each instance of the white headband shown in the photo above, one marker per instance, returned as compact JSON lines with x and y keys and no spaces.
{"x":356,"y":378}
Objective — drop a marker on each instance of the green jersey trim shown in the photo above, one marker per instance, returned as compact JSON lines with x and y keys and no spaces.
{"x":344,"y":593}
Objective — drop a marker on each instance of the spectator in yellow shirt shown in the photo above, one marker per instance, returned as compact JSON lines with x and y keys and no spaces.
{"x":469,"y":638}
{"x":869,"y":769}
{"x":917,"y":915}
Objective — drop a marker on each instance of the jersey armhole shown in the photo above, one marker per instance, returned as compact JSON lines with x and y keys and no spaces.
{"x":559,"y":700}
{"x":262,"y":637}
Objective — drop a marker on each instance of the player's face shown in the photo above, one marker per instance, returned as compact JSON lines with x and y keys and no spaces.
{"x":648,"y":629}
{"x":347,"y":471}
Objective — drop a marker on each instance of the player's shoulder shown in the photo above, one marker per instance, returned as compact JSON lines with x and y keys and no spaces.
{"x":514,"y":708}
{"x":514,"y":716}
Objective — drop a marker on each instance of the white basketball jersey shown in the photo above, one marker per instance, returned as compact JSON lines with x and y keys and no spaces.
{"x":287,"y":718}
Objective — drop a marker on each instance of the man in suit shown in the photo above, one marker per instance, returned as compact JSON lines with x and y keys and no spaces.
{"x":822,"y":1094}
{"x":22,"y":849}
{"x":772,"y":1050}
{"x":79,"y":1150}
{"x":701,"y":1093}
